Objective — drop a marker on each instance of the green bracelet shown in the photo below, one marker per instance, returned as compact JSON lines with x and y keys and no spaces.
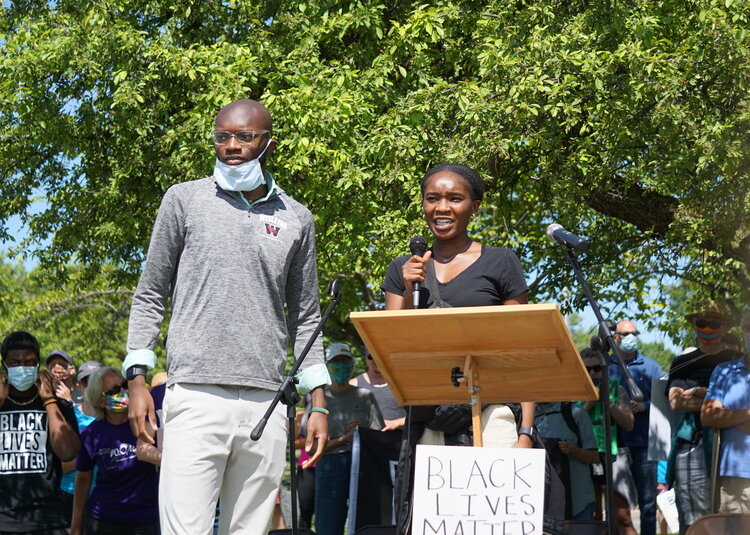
{"x":320,"y":410}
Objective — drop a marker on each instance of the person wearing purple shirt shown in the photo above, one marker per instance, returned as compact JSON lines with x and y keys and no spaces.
{"x":125,"y":499}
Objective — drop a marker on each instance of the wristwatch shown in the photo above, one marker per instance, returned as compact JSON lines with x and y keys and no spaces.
{"x":135,"y":371}
{"x":528,"y":431}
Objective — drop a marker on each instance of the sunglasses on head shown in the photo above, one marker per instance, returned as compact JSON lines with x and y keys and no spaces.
{"x":117,"y":389}
{"x":711,"y":324}
{"x":595,"y":368}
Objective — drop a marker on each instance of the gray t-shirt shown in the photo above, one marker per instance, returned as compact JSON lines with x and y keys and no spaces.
{"x":387,"y":404}
{"x":242,"y":281}
{"x":354,"y":404}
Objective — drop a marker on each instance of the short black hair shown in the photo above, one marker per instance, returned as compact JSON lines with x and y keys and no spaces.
{"x":19,"y":340}
{"x":476,"y":184}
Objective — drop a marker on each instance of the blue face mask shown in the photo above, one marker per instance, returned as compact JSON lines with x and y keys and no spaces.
{"x":341,"y":371}
{"x":22,"y":377}
{"x":629,"y":343}
{"x":243,"y":177}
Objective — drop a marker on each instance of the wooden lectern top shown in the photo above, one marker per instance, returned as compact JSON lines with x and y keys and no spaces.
{"x":521,"y":352}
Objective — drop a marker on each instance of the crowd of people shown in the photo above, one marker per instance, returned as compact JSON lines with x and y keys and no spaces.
{"x":68,"y":447}
{"x":232,"y":256}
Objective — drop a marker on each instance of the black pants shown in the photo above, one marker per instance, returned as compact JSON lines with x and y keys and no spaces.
{"x":306,"y":496}
{"x":92,"y":526}
{"x":58,"y":531}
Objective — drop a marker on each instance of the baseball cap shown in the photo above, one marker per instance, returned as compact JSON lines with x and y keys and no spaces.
{"x":87,"y":369}
{"x":713,"y":310}
{"x":59,"y":353}
{"x":334,"y":350}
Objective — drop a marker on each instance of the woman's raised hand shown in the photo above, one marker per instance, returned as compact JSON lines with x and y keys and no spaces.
{"x":415,"y":269}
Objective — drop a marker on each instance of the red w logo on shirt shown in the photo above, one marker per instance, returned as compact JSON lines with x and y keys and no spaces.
{"x":272,"y":229}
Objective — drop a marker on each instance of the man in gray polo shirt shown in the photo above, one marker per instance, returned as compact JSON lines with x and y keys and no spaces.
{"x":236,"y":255}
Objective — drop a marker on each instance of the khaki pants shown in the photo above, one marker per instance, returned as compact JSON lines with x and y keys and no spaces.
{"x":208,"y":455}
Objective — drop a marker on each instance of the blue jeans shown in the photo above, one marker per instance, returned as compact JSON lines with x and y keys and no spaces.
{"x":644,"y":478}
{"x":332,"y":493}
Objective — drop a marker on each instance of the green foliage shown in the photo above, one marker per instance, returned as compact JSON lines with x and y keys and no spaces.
{"x":659,"y":353}
{"x":625,"y":120}
{"x":86,"y":318}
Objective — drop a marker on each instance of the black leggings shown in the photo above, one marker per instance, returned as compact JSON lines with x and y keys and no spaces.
{"x":306,"y":495}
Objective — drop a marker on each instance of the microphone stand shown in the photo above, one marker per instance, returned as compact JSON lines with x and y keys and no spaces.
{"x":605,"y":334}
{"x":287,"y":394}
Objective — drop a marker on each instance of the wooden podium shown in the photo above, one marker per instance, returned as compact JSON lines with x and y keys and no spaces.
{"x":496,"y":354}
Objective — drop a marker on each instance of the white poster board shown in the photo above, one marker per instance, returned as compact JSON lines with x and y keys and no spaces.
{"x":478,"y":491}
{"x":661,"y":420}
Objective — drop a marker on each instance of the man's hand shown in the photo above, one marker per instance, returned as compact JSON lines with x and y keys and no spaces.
{"x":317,"y":437}
{"x":637,"y":406}
{"x":44,"y":383}
{"x":141,"y":409}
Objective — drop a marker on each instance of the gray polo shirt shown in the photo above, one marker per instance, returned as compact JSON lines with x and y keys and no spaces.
{"x":242,"y":281}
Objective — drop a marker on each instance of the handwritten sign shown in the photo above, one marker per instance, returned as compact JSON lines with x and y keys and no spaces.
{"x":478,"y":491}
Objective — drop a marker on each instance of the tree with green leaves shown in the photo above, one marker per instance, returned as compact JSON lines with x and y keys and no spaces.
{"x":626,"y":122}
{"x":88,"y":318}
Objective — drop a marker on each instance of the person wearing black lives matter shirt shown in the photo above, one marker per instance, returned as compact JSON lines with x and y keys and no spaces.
{"x":37,"y":432}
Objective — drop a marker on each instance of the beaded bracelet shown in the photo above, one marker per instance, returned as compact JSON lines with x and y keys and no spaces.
{"x":320,"y":410}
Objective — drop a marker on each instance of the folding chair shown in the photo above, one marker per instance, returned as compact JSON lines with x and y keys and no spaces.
{"x":721,"y":525}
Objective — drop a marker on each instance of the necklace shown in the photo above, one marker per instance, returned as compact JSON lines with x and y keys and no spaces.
{"x":446,"y":259}
{"x":24,"y":403}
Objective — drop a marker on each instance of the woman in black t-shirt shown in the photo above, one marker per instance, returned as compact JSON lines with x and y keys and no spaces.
{"x":464,"y":273}
{"x":467,"y":273}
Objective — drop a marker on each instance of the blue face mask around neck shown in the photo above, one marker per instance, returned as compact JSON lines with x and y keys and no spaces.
{"x":243,"y":177}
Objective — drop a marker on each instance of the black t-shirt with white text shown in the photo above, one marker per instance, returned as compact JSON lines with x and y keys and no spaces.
{"x":30,"y":472}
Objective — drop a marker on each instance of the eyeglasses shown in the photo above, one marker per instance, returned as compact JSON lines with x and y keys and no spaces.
{"x":117,"y":389}
{"x":596,"y":369}
{"x":245,"y":137}
{"x":636,"y":333}
{"x":711,"y":324}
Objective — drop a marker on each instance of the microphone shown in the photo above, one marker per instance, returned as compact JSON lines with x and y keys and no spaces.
{"x":417,"y":246}
{"x":556,"y":233}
